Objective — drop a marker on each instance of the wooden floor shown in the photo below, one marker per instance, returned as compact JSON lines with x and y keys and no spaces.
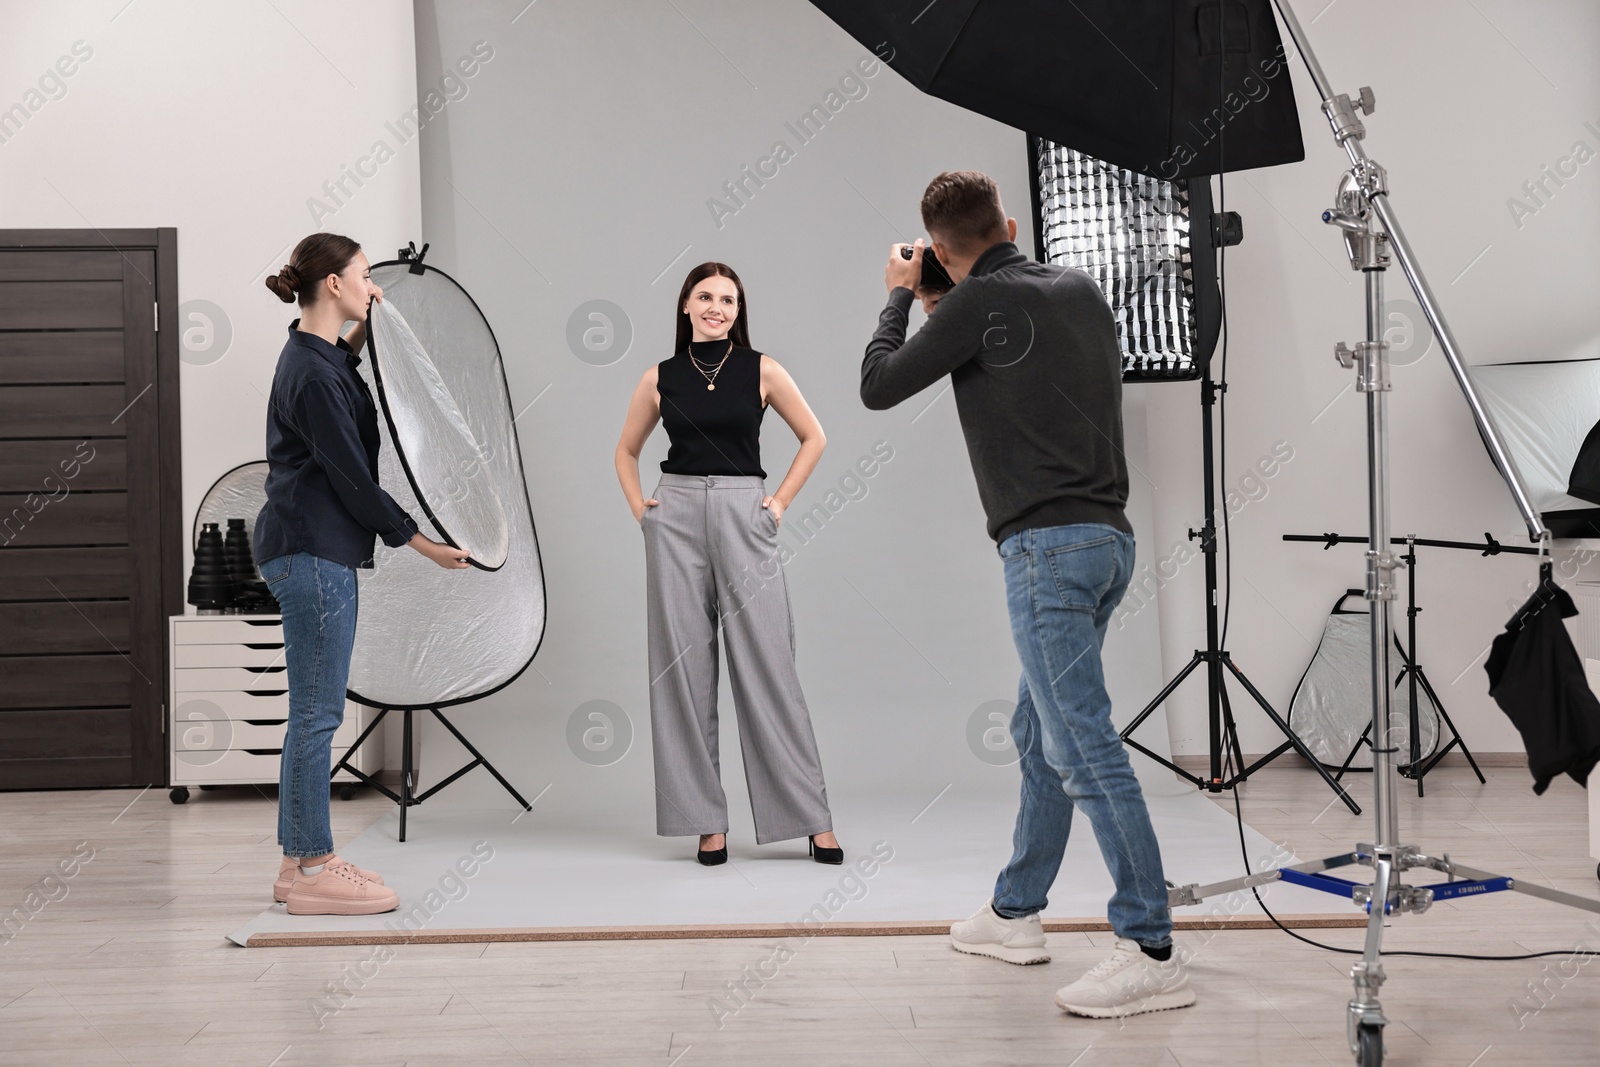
{"x":125,"y":962}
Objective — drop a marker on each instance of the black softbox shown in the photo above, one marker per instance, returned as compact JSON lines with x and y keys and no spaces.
{"x":1169,"y":88}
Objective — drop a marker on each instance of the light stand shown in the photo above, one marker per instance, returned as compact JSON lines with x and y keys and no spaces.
{"x":1416,"y":767}
{"x":1412,"y":670}
{"x":1224,"y":732}
{"x":408,"y":796}
{"x":1371,"y":231}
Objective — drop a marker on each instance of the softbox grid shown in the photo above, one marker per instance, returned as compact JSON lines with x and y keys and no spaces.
{"x":1131,"y":233}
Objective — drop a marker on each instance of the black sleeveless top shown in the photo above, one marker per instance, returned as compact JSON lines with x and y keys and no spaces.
{"x":712,"y":431}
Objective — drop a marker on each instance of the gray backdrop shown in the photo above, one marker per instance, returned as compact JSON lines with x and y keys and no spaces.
{"x":575,"y":165}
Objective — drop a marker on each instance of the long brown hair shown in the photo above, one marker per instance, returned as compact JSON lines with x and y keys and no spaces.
{"x":739,"y":332}
{"x":313,"y":259}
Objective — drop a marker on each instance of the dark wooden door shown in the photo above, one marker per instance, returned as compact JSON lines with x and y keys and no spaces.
{"x":90,"y":505}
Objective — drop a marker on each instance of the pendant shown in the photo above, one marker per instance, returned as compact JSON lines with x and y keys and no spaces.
{"x":710,"y":386}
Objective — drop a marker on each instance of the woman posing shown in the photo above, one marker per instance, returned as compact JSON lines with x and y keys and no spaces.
{"x":324,"y":509}
{"x":711,"y":555}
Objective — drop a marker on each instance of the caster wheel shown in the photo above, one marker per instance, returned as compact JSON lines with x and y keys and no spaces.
{"x":346,"y":792}
{"x":179,"y":794}
{"x":1369,"y":1044}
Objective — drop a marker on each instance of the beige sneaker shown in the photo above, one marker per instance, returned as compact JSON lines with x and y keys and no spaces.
{"x":987,"y":933}
{"x":280,"y":888}
{"x":338,"y":889}
{"x":1126,"y":983}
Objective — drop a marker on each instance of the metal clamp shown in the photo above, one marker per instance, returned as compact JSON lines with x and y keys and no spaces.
{"x":1369,"y":359}
{"x":1371,"y":177}
{"x":1405,"y":898}
{"x":1414,"y":898}
{"x":1183,"y":895}
{"x":1342,"y":114}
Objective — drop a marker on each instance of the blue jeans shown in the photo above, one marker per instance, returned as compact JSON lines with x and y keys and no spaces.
{"x":318,"y":598}
{"x":1062,"y":583}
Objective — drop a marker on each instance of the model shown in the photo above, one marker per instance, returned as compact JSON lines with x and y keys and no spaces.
{"x":712,"y":558}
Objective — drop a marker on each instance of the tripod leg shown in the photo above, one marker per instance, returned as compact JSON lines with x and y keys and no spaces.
{"x":344,"y":761}
{"x":1127,"y":733}
{"x":405,"y":773}
{"x":448,"y":725}
{"x":363,"y":776}
{"x":1299,"y":746}
{"x":1412,"y":767}
{"x":1230,"y":730}
{"x":1367,"y":974}
{"x":1364,"y":739}
{"x":1445,"y":715}
{"x":1149,"y":709}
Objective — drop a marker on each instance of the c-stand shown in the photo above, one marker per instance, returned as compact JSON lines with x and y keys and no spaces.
{"x":1371,"y":231}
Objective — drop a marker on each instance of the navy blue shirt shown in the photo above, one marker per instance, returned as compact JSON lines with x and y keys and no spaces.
{"x":323,"y":495}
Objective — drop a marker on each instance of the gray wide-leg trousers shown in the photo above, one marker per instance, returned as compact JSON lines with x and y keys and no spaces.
{"x":711,"y":552}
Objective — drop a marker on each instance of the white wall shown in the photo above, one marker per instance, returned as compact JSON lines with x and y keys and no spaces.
{"x":222,"y":120}
{"x":592,"y":168}
{"x":1473,"y":99}
{"x":578,"y":167}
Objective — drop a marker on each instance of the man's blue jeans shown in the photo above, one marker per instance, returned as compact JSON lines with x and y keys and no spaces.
{"x":318,"y":598}
{"x":1062,"y":583}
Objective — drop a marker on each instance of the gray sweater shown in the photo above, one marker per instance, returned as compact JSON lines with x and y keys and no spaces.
{"x":1031,"y":349}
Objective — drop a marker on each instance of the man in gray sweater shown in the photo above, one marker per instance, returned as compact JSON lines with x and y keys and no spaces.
{"x":1031,"y":350}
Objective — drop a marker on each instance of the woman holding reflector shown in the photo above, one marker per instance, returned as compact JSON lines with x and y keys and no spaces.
{"x":323,"y":512}
{"x":711,"y":554}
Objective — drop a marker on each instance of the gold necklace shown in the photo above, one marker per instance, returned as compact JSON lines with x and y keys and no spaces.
{"x":711,"y":379}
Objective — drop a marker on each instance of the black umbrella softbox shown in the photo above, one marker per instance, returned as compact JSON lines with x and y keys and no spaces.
{"x":1169,"y":88}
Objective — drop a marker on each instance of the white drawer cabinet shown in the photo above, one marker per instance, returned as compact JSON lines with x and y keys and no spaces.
{"x":228,"y":705}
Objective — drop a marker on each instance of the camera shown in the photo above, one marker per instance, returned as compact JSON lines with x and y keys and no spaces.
{"x":934,"y":275}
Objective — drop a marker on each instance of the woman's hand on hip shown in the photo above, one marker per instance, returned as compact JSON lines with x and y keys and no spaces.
{"x":648,"y":502}
{"x":776,"y":506}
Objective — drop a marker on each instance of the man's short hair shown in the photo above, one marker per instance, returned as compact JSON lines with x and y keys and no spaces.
{"x":962,"y":208}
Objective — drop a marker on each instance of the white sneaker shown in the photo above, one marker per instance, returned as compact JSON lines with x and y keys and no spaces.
{"x":988,"y":934}
{"x":1126,"y":983}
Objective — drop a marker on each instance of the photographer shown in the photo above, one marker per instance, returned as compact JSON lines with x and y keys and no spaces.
{"x":1031,"y":350}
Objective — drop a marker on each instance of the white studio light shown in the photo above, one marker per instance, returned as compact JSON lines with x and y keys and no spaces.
{"x":1132,"y":234}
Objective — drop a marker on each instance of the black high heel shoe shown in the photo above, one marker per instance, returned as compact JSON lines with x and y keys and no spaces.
{"x":822,"y":854}
{"x":712,"y":857}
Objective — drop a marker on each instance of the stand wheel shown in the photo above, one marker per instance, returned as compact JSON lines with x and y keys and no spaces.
{"x":346,"y":792}
{"x":1369,"y":1044}
{"x":179,"y":794}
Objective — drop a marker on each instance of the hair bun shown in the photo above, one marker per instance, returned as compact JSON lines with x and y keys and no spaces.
{"x":284,"y":283}
{"x":317,"y":256}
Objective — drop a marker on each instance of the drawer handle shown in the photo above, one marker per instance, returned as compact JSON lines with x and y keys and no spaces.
{"x":261,"y":622}
{"x":266,"y":722}
{"x":266,"y":670}
{"x":265,"y":751}
{"x":263,"y":692}
{"x":250,"y":645}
